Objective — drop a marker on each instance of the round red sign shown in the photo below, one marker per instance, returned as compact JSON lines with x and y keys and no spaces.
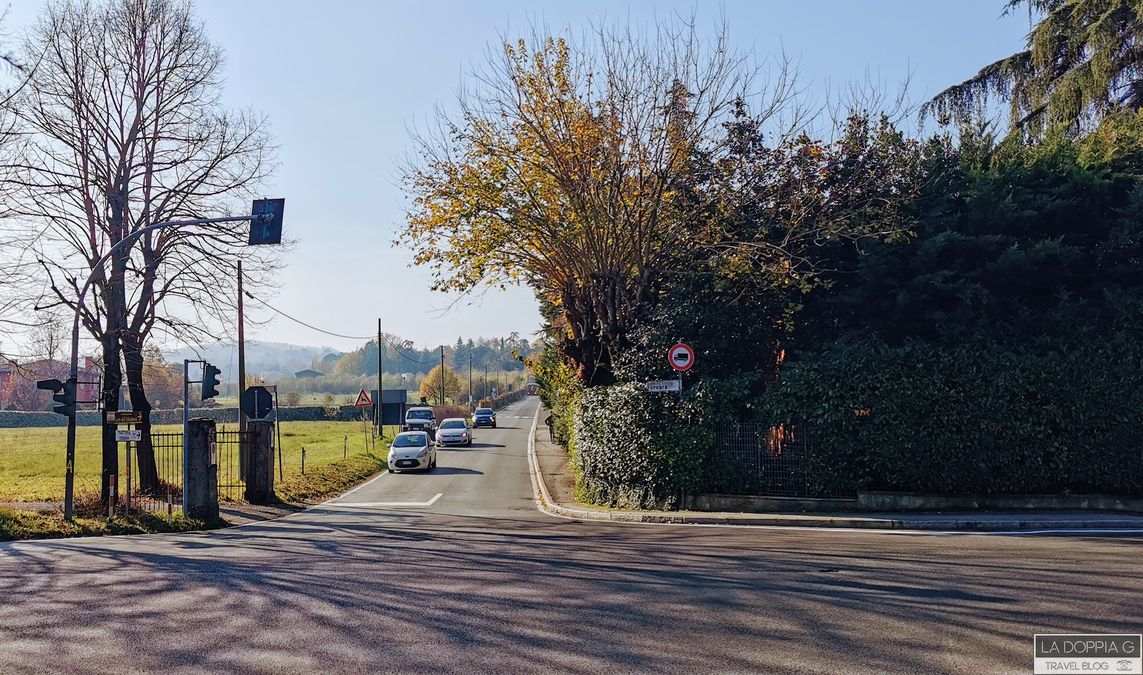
{"x":681,"y":356}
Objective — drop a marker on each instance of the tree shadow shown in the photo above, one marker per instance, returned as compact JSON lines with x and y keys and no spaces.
{"x":342,"y":589}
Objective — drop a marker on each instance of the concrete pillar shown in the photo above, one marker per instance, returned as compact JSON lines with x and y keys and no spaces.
{"x":201,"y":481}
{"x":260,"y":467}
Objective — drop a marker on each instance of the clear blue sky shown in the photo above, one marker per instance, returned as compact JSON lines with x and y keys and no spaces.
{"x":343,"y":80}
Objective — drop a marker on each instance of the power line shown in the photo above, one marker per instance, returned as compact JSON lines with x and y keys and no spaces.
{"x":307,"y":325}
{"x":410,"y":358}
{"x":390,"y":342}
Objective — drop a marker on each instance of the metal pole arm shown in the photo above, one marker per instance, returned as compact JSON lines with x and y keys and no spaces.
{"x":74,"y":368}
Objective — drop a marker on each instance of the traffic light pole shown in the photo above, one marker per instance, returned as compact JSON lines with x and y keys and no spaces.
{"x":186,"y":423}
{"x":73,"y":372}
{"x":241,"y":357}
{"x":380,"y":414}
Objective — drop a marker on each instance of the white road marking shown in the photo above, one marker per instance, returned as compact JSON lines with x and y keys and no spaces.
{"x":368,"y":482}
{"x":387,"y":504}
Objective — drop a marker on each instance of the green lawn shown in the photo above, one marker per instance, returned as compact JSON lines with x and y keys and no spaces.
{"x":32,"y":459}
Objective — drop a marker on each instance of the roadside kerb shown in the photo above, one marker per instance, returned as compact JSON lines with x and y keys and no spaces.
{"x":984,"y":523}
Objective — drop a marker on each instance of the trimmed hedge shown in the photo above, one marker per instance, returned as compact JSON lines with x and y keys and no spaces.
{"x":970,"y":418}
{"x":632,"y":449}
{"x":967,"y":419}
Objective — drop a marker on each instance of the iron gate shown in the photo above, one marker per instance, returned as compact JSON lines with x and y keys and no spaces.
{"x":166,"y":496}
{"x":231,"y":447}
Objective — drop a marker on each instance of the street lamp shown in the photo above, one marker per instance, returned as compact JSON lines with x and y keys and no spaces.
{"x":260,"y":214}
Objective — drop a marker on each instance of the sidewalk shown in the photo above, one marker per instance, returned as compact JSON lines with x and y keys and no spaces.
{"x":555,"y":493}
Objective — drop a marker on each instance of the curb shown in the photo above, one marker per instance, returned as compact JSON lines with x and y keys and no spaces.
{"x":545,"y":504}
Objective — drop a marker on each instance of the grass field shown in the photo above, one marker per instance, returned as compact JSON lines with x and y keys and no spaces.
{"x":32,"y":459}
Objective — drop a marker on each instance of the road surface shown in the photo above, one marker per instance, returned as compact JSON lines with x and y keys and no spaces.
{"x":456,"y":571}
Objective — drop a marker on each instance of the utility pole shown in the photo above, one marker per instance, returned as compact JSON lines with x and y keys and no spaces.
{"x":241,"y":354}
{"x":442,"y":375}
{"x":470,"y":379}
{"x":379,"y":416}
{"x":485,"y":395}
{"x":259,"y":215}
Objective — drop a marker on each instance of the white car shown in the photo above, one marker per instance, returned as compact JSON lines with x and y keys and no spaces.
{"x":412,"y":450}
{"x":454,"y":431}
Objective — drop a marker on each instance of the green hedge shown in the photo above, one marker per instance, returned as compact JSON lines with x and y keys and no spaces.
{"x":979,"y":418}
{"x":632,"y":449}
{"x":970,"y":418}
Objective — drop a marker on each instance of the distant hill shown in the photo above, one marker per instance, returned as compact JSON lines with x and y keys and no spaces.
{"x":272,"y":360}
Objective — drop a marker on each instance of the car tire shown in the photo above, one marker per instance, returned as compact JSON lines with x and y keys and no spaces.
{"x":469,"y":443}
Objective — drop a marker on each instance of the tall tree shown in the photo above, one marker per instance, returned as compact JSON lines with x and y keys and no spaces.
{"x":560,"y":169}
{"x":122,"y":128}
{"x":1082,"y":60}
{"x":431,"y":388}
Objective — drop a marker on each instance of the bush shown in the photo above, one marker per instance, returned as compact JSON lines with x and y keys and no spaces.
{"x":633,"y":449}
{"x":978,"y":418}
{"x":443,"y":412}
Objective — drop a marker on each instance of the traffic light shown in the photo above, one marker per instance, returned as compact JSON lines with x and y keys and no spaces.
{"x":63,"y":394}
{"x":209,"y":381}
{"x":266,"y":225}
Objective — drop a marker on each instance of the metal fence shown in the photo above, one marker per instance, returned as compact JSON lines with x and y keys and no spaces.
{"x":167,"y":495}
{"x":231,"y":448}
{"x":760,"y":459}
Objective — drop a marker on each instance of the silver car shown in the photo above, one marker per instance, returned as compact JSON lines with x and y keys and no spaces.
{"x":412,"y":450}
{"x":454,"y":431}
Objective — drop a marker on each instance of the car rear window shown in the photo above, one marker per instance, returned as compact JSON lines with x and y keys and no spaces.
{"x":484,"y":411}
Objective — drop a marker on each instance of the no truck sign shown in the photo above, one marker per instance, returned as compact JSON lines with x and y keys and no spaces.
{"x":682,"y":357}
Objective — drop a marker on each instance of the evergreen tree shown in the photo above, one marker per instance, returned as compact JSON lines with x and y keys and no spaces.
{"x":1082,"y":60}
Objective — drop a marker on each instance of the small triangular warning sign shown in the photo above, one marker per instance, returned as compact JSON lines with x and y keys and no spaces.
{"x":363,"y":400}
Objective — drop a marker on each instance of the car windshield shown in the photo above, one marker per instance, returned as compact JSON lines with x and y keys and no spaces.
{"x":409,"y":440}
{"x":420,"y":414}
{"x":484,"y":411}
{"x":453,"y":424}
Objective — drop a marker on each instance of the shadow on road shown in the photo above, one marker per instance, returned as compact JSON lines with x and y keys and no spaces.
{"x":340,"y":589}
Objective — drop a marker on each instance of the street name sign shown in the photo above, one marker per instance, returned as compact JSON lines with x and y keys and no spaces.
{"x":123,"y":435}
{"x":661,"y":386}
{"x":123,"y":417}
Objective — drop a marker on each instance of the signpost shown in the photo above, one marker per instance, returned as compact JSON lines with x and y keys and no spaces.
{"x":266,"y":213}
{"x":128,"y":436}
{"x":256,"y":402}
{"x":663,"y":386}
{"x":682,"y":357}
{"x":363,"y":401}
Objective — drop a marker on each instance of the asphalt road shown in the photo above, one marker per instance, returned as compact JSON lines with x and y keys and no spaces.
{"x":393,"y":577}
